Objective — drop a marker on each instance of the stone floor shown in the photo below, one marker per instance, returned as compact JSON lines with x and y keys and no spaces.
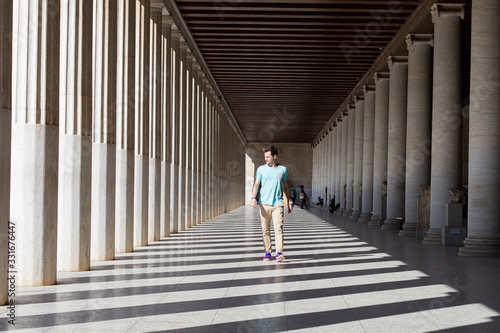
{"x":338,"y":276}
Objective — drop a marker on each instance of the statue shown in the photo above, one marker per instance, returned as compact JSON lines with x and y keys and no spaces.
{"x":457,"y":194}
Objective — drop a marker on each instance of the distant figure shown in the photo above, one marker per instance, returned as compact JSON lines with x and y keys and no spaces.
{"x":293,"y":191}
{"x":303,"y":197}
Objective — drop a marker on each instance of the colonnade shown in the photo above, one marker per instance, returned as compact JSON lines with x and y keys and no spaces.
{"x":111,"y":135}
{"x":408,"y":135}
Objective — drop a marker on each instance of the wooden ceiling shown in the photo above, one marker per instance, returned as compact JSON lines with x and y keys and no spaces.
{"x":285,"y":67}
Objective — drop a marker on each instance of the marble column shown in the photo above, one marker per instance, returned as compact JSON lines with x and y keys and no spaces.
{"x":155,"y":108}
{"x":181,"y":194}
{"x":315,"y":168}
{"x":189,"y":140}
{"x":211,"y":132}
{"x":331,"y":165}
{"x":104,"y":132}
{"x":343,"y":162}
{"x":75,"y":136}
{"x":141,"y":164}
{"x":333,"y":182}
{"x":196,"y":144}
{"x":446,"y":157}
{"x":5,"y":134}
{"x":396,"y":149}
{"x":483,"y":227}
{"x":125,"y":93}
{"x":368,"y":136}
{"x":338,"y":164}
{"x":203,"y":151}
{"x":35,"y":140}
{"x":166,"y":125}
{"x":199,"y":148}
{"x":175,"y":114}
{"x":418,"y":131}
{"x":358,"y":156}
{"x":380,"y":142}
{"x":350,"y":159}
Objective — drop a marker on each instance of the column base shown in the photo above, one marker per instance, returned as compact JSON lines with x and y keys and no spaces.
{"x":409,"y":229}
{"x":354,"y":215}
{"x":433,"y":237}
{"x":374,"y":220}
{"x":340,"y":211}
{"x":364,"y":217}
{"x":391,"y":224}
{"x":347,"y":213}
{"x":480,"y":247}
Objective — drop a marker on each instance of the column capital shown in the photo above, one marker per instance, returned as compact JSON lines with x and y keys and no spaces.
{"x":368,"y":88}
{"x":419,"y":39}
{"x":190,"y":56}
{"x":176,"y":33}
{"x":379,"y":76}
{"x":397,"y":60}
{"x":168,"y":20}
{"x":359,"y":98}
{"x":351,"y":107}
{"x":156,"y":6}
{"x":447,"y":9}
{"x":183,"y":45}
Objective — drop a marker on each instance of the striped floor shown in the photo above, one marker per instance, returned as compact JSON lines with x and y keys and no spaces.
{"x":338,"y":276}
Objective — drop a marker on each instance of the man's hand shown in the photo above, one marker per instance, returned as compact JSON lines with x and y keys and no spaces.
{"x":290,"y":207}
{"x":254,"y":202}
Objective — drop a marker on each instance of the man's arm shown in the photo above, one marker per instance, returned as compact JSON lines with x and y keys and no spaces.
{"x":288,"y":195}
{"x":255,"y":188}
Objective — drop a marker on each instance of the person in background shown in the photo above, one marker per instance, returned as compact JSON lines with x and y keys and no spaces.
{"x":293,"y":192}
{"x":303,"y":197}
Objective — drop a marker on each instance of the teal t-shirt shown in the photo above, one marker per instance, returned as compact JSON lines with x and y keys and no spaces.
{"x":271,"y":192}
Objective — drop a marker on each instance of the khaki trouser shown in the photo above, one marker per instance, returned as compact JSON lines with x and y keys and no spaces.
{"x":276,"y":213}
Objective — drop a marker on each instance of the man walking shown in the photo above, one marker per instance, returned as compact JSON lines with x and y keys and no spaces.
{"x":274,"y":180}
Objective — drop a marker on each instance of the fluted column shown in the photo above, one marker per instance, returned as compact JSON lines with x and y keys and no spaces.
{"x":104,"y":132}
{"x":418,"y":131}
{"x":333,"y":182}
{"x":203,"y":150}
{"x":358,"y":155}
{"x":5,"y":134}
{"x":154,"y":193}
{"x":125,"y":93}
{"x":446,"y":158}
{"x":331,"y":167}
{"x":174,"y":170}
{"x":75,"y":140}
{"x":380,"y":142}
{"x":338,"y":164}
{"x":183,"y":49}
{"x":343,"y":163}
{"x":189,"y":140}
{"x":166,"y":123}
{"x":483,"y":227}
{"x":396,"y":149}
{"x":197,"y":144}
{"x":368,"y":136}
{"x":141,"y":164}
{"x":199,"y":148}
{"x":195,"y":139}
{"x":350,"y":159}
{"x":35,"y":136}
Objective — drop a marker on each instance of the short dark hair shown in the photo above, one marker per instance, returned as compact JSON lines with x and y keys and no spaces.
{"x":271,"y":148}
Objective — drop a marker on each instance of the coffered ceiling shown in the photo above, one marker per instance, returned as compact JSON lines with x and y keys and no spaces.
{"x":286,"y":68}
